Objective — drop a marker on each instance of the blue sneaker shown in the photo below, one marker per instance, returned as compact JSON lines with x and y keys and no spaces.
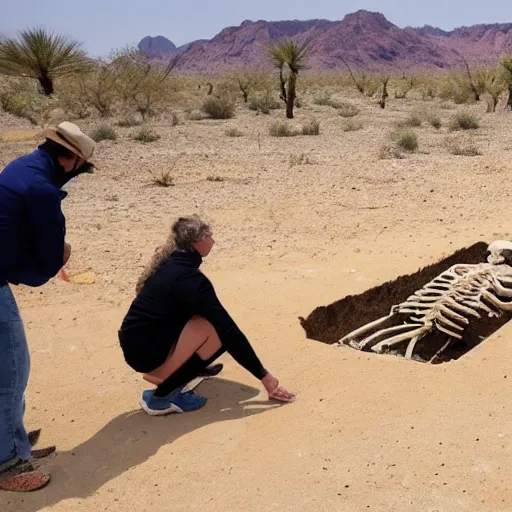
{"x":174,"y":402}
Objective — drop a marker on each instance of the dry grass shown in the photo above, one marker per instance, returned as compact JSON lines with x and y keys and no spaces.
{"x":464,"y":121}
{"x":281,"y":129}
{"x":347,"y":110}
{"x":352,"y":125}
{"x":146,"y":135}
{"x":163,"y":177}
{"x":219,"y":108}
{"x":301,"y":159}
{"x":20,"y":136}
{"x":406,"y":140}
{"x":435,"y":121}
{"x":311,"y":128}
{"x":234,"y":132}
{"x":128,"y":122}
{"x":103,"y":132}
{"x":460,"y":147}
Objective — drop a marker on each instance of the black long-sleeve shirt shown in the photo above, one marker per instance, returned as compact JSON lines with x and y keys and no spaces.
{"x":170,"y":297}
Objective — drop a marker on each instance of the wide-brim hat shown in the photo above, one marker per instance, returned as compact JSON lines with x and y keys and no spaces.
{"x":71,"y":137}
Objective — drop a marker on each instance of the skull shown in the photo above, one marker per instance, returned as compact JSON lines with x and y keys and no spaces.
{"x":500,"y":252}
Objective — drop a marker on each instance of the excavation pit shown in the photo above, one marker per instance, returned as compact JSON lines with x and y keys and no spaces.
{"x":328,"y":324}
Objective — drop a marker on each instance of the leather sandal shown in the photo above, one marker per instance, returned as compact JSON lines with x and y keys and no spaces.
{"x":43,"y":452}
{"x":33,"y":437}
{"x":23,"y":477}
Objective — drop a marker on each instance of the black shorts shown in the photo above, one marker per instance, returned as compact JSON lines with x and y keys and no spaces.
{"x":145,"y":353}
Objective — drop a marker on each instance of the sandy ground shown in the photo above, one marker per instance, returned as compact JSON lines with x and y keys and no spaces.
{"x":367,"y":432}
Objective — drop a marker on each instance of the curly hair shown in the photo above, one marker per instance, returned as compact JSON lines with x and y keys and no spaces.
{"x":184,"y":232}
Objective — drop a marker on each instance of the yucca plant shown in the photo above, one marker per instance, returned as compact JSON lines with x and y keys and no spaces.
{"x":41,"y":55}
{"x":507,"y":74}
{"x":293,"y":55}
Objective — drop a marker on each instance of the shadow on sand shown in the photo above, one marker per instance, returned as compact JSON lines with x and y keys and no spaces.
{"x":129,"y":440}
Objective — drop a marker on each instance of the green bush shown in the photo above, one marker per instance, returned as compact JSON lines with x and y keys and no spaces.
{"x":407,"y":140}
{"x":103,"y":132}
{"x":281,"y":129}
{"x":464,"y":121}
{"x":311,"y":128}
{"x":146,"y":135}
{"x":413,"y":120}
{"x":263,"y":103}
{"x":435,"y":121}
{"x":219,"y":108}
{"x":22,"y":99}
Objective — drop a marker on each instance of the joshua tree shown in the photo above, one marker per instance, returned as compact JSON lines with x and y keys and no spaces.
{"x":41,"y":55}
{"x":475,"y":86}
{"x":507,"y":65}
{"x":288,"y":53}
{"x":492,"y":83}
{"x":384,"y":93}
{"x":359,"y":85}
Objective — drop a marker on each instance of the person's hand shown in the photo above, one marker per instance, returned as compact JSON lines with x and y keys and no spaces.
{"x":67,"y":253}
{"x":275,"y":391}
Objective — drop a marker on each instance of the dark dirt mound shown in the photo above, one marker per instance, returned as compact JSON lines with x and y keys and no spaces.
{"x":330,"y":323}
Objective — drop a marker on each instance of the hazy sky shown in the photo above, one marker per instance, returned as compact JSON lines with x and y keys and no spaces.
{"x":107,"y":24}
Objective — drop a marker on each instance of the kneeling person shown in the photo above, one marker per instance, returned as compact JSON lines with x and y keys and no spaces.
{"x":176,"y":326}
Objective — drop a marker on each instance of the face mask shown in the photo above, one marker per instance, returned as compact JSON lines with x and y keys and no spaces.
{"x":67,"y":176}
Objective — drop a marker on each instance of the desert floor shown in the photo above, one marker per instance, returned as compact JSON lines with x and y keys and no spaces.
{"x":368,"y":432}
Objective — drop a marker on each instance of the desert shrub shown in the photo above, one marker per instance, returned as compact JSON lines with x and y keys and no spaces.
{"x":233,"y":132}
{"x":74,"y":97}
{"x":461,"y":148}
{"x":175,"y":120}
{"x":103,"y":132}
{"x":301,"y":159}
{"x":388,"y":151}
{"x":311,"y":128}
{"x":21,"y":98}
{"x":406,"y":140}
{"x":263,"y":103}
{"x":435,"y":121}
{"x":464,"y":121}
{"x":281,"y":129}
{"x":195,"y":115}
{"x":413,"y":120}
{"x":100,"y":87}
{"x":163,"y":178}
{"x":351,"y":125}
{"x":347,"y":110}
{"x":128,"y":122}
{"x":458,"y":89}
{"x":324,"y":99}
{"x":215,"y":178}
{"x":146,"y":135}
{"x":219,"y":108}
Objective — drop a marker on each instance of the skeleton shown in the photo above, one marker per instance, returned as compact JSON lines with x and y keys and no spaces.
{"x":444,"y":304}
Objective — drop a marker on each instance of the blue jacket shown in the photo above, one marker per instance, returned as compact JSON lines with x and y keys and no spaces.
{"x":32,"y":225}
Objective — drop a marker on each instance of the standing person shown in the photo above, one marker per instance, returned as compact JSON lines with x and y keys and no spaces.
{"x":32,"y":251}
{"x":176,"y":326}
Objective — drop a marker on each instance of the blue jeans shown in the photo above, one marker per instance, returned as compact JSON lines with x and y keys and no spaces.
{"x":14,"y":371}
